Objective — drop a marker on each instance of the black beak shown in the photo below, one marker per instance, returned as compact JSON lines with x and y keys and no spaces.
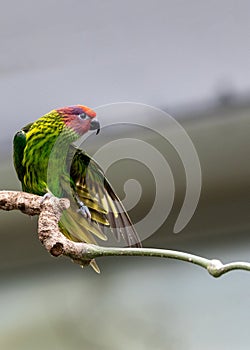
{"x":95,"y":125}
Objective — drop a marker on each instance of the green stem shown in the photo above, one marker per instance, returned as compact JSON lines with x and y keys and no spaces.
{"x":213,"y":266}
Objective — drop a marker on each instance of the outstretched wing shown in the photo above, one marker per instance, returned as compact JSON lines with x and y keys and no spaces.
{"x":90,"y":186}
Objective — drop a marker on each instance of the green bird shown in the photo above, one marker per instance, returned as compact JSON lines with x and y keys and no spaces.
{"x":47,"y":162}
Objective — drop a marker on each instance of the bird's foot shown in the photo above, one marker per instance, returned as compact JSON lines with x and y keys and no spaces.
{"x":84,"y":210}
{"x":59,"y":203}
{"x":47,"y":195}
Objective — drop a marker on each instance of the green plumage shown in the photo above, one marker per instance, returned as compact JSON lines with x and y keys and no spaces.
{"x":46,"y":161}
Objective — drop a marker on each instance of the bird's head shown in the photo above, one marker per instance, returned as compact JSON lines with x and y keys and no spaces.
{"x":79,"y":118}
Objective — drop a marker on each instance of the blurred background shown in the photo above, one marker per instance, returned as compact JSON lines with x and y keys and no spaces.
{"x":190,"y":59}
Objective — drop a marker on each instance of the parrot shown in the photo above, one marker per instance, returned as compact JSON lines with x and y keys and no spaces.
{"x":47,"y":162}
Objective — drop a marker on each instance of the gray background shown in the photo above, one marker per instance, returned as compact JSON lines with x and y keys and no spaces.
{"x":190,"y":58}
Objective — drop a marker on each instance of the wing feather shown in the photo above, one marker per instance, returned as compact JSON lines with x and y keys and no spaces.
{"x":93,"y":189}
{"x":19,"y":143}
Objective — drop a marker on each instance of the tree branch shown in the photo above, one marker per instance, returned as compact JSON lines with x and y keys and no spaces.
{"x":49,"y":210}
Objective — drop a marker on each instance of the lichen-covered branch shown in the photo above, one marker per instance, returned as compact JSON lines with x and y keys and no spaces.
{"x":49,"y":210}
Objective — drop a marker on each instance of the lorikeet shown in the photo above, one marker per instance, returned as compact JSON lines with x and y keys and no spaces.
{"x":46,"y":162}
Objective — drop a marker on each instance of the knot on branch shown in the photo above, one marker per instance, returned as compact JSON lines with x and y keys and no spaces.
{"x":57,"y":249}
{"x":215,"y":268}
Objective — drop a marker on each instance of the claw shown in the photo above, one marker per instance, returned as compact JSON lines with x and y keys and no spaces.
{"x":47,"y":195}
{"x":84,"y":210}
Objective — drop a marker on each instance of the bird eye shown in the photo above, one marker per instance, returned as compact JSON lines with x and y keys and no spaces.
{"x":83,"y":115}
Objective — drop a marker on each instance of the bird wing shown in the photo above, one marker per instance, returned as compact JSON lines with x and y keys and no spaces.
{"x":90,"y":186}
{"x":19,"y":143}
